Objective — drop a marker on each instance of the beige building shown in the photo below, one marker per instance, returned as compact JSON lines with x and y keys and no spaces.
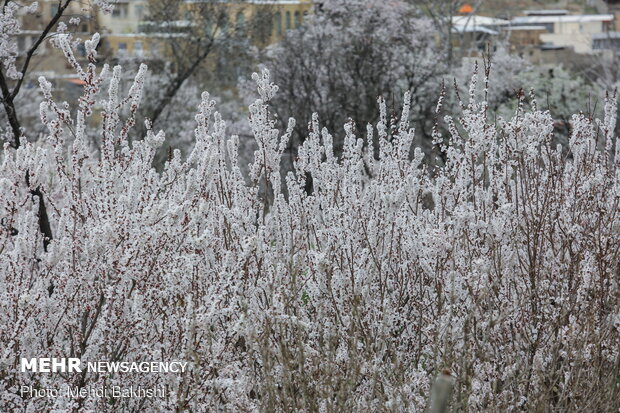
{"x":576,"y":31}
{"x":125,"y":17}
{"x":128,"y":31}
{"x":81,"y":22}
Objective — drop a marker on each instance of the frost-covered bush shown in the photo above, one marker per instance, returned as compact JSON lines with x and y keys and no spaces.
{"x":561,"y":92}
{"x":508,"y":70}
{"x":502,"y":266}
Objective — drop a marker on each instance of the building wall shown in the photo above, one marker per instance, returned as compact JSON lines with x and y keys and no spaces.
{"x":47,"y":59}
{"x":289,"y":16}
{"x":519,"y":39}
{"x":48,"y":8}
{"x":125,"y":18}
{"x":283,"y":15}
{"x":131,"y":44}
{"x":122,"y":30}
{"x":577,"y":35}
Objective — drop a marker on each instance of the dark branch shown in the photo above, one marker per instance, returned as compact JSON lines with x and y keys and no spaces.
{"x":9,"y":108}
{"x":176,"y":84}
{"x":8,"y":102}
{"x":36,"y":45}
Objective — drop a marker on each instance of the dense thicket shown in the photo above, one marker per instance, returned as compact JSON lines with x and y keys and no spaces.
{"x":502,"y":266}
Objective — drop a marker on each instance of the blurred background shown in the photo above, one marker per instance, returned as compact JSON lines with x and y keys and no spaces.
{"x":332,"y":57}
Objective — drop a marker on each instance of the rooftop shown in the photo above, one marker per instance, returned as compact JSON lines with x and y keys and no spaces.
{"x":524,"y":28}
{"x":475,"y":20}
{"x":574,"y":18}
{"x":473,"y":29}
{"x":545,"y":12}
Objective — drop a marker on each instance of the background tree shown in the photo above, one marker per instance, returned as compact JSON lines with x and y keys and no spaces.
{"x":514,"y":81}
{"x":346,"y":56}
{"x":208,"y":43}
{"x":15,"y":69}
{"x":442,"y":12}
{"x":604,"y":72}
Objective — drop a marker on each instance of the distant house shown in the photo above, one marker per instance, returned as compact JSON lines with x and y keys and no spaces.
{"x":474,"y":31}
{"x":576,"y":31}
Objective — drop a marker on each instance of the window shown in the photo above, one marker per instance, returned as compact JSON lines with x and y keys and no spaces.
{"x":121,"y":10}
{"x":122,"y":49}
{"x":297,"y":19}
{"x":288,"y":20}
{"x":224,"y":26}
{"x":278,"y":21}
{"x":139,"y":11}
{"x":154,"y":49}
{"x":21,"y":44}
{"x":240,"y":21}
{"x":138,"y":49}
{"x":53,"y":9}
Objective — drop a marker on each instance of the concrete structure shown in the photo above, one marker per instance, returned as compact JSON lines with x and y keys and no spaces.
{"x":574,"y":31}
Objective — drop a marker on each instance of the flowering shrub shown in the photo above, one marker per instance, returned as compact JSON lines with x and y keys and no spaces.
{"x":502,"y":266}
